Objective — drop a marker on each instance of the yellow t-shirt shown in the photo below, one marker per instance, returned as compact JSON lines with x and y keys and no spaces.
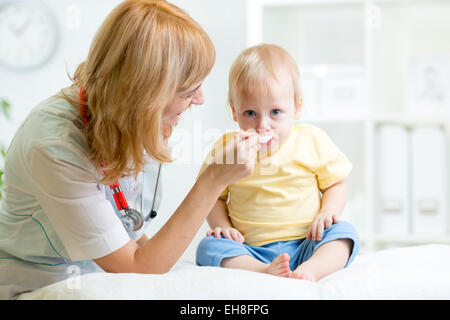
{"x":280,"y":199}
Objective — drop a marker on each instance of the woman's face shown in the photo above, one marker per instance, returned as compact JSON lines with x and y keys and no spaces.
{"x":182,"y":101}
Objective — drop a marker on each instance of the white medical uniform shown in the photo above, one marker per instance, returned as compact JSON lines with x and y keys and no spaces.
{"x":54,"y":215}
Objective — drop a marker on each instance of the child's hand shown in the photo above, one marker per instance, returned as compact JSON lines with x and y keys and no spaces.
{"x":228,"y":233}
{"x":321,"y":221}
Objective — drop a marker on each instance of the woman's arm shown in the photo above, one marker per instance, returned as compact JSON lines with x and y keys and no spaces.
{"x":142,"y":240}
{"x":159,"y":253}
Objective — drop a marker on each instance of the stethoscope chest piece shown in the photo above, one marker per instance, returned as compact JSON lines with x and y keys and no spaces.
{"x":132,"y":220}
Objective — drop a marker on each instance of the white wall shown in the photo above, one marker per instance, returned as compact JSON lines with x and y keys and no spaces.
{"x":26,"y":89}
{"x":224,"y":21}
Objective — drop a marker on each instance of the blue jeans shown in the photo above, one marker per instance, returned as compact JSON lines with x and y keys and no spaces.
{"x":211,"y":251}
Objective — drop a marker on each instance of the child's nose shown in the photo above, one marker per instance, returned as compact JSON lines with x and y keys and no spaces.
{"x":263,"y":125}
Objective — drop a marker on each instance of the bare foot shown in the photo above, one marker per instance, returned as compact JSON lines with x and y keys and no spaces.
{"x":280,"y":266}
{"x":302,"y":272}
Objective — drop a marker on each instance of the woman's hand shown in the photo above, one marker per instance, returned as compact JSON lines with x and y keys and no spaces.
{"x":228,"y":233}
{"x":321,"y":222}
{"x":236,"y":160}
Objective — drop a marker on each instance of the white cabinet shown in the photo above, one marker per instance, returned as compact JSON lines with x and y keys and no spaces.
{"x":376,"y":76}
{"x":429,"y":183}
{"x":393,"y":180}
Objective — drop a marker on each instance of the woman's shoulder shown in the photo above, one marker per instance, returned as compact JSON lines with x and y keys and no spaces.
{"x":53,"y":127}
{"x":58,"y":108}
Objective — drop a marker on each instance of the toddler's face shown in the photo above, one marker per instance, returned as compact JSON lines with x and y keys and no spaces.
{"x":270,"y":113}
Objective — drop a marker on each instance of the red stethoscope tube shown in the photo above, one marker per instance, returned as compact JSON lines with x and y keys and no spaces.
{"x":119,"y":196}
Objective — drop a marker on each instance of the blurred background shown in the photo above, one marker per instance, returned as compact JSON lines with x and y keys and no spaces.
{"x":375,"y":76}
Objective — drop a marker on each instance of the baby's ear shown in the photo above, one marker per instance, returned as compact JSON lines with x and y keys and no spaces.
{"x":298,"y":108}
{"x":234,"y":111}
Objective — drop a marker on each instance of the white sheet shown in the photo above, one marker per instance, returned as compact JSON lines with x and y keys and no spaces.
{"x":421,"y":272}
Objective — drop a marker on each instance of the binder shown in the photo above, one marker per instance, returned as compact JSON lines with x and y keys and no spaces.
{"x":429,"y":185}
{"x":392,"y":180}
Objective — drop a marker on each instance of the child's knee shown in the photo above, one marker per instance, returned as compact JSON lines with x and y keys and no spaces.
{"x":208,"y":249}
{"x":211,"y":250}
{"x":203,"y":248}
{"x":345,"y":228}
{"x":346,"y":231}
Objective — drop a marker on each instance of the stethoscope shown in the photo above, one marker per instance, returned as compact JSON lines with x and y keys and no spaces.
{"x":132,"y":220}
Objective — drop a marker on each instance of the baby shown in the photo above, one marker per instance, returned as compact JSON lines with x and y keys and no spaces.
{"x":284,"y":219}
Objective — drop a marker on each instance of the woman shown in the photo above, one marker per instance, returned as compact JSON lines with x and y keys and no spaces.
{"x":145,"y":67}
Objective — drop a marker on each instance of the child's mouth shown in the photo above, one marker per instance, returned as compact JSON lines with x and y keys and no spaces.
{"x":267,"y":140}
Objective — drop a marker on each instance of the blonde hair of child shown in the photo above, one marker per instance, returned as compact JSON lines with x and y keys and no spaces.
{"x":144,"y":53}
{"x":255,"y":66}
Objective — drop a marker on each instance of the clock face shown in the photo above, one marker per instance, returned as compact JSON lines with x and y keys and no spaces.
{"x":28,"y":35}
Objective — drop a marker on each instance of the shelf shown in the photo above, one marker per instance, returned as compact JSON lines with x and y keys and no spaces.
{"x":393,"y":118}
{"x":391,"y":67}
{"x":408,"y":2}
{"x":313,"y":44}
{"x":413,"y":119}
{"x":281,"y":3}
{"x":333,"y":119}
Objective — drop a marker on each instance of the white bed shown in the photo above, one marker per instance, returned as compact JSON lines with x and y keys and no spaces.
{"x":420,"y":272}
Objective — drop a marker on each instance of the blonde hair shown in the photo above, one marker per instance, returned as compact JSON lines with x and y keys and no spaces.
{"x":144,"y":53}
{"x":255,"y":66}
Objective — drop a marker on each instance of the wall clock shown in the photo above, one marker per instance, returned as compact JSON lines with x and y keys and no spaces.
{"x":28,"y":34}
